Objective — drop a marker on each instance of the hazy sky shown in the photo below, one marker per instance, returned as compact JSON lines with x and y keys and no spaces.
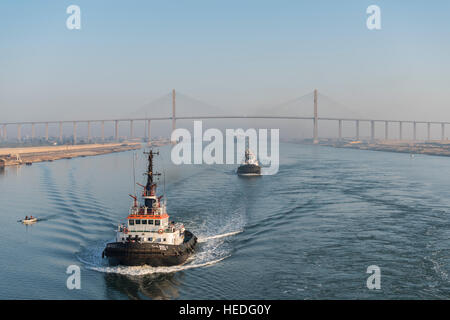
{"x":233,"y":54}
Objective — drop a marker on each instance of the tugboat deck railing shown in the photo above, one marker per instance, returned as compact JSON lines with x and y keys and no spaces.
{"x":148,"y":216}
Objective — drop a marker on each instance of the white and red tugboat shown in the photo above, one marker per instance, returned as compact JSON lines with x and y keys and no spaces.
{"x":148,"y":238}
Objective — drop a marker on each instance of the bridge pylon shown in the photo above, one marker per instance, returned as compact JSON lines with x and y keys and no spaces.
{"x":316,"y":119}
{"x":174,"y":125}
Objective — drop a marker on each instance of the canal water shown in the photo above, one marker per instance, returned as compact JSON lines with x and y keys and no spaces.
{"x":308,"y":232}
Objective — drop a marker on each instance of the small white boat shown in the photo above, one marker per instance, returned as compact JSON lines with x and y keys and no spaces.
{"x":29,"y":220}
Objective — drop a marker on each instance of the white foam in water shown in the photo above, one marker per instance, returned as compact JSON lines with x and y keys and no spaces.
{"x":144,"y":270}
{"x":207,"y":255}
{"x":204,"y":239}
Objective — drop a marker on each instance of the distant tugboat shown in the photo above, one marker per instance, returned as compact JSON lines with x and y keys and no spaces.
{"x":149,"y":238}
{"x":250,"y":166}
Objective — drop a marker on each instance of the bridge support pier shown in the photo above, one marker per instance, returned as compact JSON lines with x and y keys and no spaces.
{"x":357,"y":129}
{"x":19,"y":135}
{"x":46,"y":131}
{"x":116,"y":131}
{"x":131,"y":129}
{"x":60,"y":132}
{"x":5,"y":136}
{"x":74,"y":132}
{"x":148,"y":131}
{"x":428,"y":131}
{"x":400,"y":128}
{"x":415,"y":131}
{"x":386,"y":130}
{"x":103,"y":131}
{"x":33,"y":131}
{"x":340,"y":129}
{"x":372,"y":130}
{"x":89,"y":131}
{"x":442,"y":131}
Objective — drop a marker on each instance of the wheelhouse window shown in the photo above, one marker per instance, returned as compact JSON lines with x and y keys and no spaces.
{"x":138,"y":221}
{"x":131,"y":222}
{"x":150,"y":221}
{"x":157,"y":222}
{"x":144,"y":221}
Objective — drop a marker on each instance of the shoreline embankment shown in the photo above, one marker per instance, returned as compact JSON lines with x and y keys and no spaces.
{"x":28,"y":155}
{"x":433,"y":147}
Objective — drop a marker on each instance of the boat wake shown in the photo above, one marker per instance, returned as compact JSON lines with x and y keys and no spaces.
{"x":208,"y":253}
{"x":219,"y":236}
{"x":146,"y":270}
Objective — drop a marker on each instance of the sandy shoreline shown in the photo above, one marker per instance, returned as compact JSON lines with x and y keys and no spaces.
{"x":435,"y":148}
{"x":50,"y":153}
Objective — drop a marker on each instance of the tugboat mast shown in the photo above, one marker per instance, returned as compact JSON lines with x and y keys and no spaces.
{"x":150,"y":187}
{"x":247,"y":155}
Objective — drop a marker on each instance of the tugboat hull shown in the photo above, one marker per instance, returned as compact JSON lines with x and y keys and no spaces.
{"x":249,"y":169}
{"x":152,"y":254}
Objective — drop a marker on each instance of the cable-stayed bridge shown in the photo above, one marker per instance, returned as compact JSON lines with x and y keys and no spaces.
{"x":204,"y":110}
